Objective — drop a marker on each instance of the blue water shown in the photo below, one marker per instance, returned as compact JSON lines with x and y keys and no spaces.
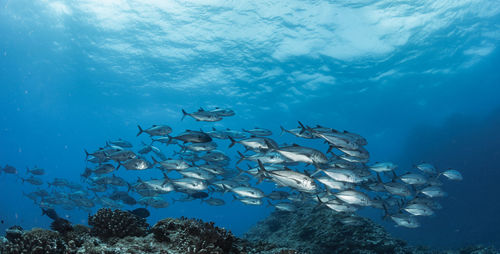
{"x":418,"y":79}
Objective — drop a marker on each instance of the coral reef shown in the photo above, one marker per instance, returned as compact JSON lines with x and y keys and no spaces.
{"x":108,"y":223}
{"x":307,"y":231}
{"x":194,"y":236}
{"x":61,"y":225}
{"x":35,"y":241}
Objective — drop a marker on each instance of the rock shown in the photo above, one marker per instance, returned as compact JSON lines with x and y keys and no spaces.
{"x":323,"y":231}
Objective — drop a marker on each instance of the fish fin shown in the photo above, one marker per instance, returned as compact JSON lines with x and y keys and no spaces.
{"x":140,"y":130}
{"x":316,"y":172}
{"x":329,"y":149}
{"x":269,"y":203}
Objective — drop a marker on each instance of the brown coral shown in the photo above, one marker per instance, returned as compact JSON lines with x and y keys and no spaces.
{"x":194,"y":236}
{"x":108,"y":223}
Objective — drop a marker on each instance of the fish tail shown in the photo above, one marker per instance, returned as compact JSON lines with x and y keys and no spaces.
{"x":232,"y":142}
{"x":242,"y":157}
{"x":184,"y":114}
{"x":154,"y":160}
{"x":302,"y":126}
{"x":379,"y":179}
{"x":169,"y":140}
{"x":87,"y":154}
{"x":140,"y":130}
{"x":282,"y":130}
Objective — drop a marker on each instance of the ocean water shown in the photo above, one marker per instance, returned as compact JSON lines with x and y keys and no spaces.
{"x":419,"y":80}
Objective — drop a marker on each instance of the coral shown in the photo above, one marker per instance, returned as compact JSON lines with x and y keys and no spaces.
{"x":36,"y":241}
{"x":14,"y":232}
{"x":61,"y":225}
{"x":108,"y":223}
{"x":194,"y":236}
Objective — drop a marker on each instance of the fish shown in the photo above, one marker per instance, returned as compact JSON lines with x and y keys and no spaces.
{"x":413,"y":179}
{"x":259,"y":131}
{"x":135,"y":164}
{"x":224,"y":112}
{"x":298,"y":132}
{"x":419,"y":209}
{"x":156,"y":202}
{"x":335,"y":185}
{"x":140,"y":212}
{"x":302,"y":154}
{"x":9,"y":169}
{"x":248,"y":192}
{"x":427,"y":168}
{"x":249,"y":201}
{"x":289,"y":178}
{"x":51,"y":213}
{"x":121,"y":143}
{"x":214,"y":156}
{"x":397,"y":188}
{"x":35,"y":171}
{"x":278,"y":195}
{"x":32,"y":180}
{"x":202,"y":115}
{"x":201,"y":147}
{"x":155,"y":130}
{"x":354,"y":197}
{"x":103,"y":169}
{"x":380,"y":167}
{"x":265,"y":157}
{"x":122,"y":155}
{"x":452,"y":175}
{"x":214,"y":201}
{"x":433,"y":192}
{"x":405,"y":220}
{"x":258,"y":144}
{"x":283,"y":206}
{"x":193,"y":137}
{"x":170,"y":164}
{"x":336,"y":205}
{"x":187,"y":183}
{"x":197,"y":173}
{"x":342,"y":175}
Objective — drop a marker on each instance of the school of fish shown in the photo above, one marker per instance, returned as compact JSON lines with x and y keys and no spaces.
{"x":341,"y":178}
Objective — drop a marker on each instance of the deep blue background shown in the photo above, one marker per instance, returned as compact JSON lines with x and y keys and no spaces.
{"x":419,"y":81}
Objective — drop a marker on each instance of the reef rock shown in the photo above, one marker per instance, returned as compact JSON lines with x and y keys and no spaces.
{"x":35,"y":241}
{"x":108,"y":223}
{"x":321,"y":230}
